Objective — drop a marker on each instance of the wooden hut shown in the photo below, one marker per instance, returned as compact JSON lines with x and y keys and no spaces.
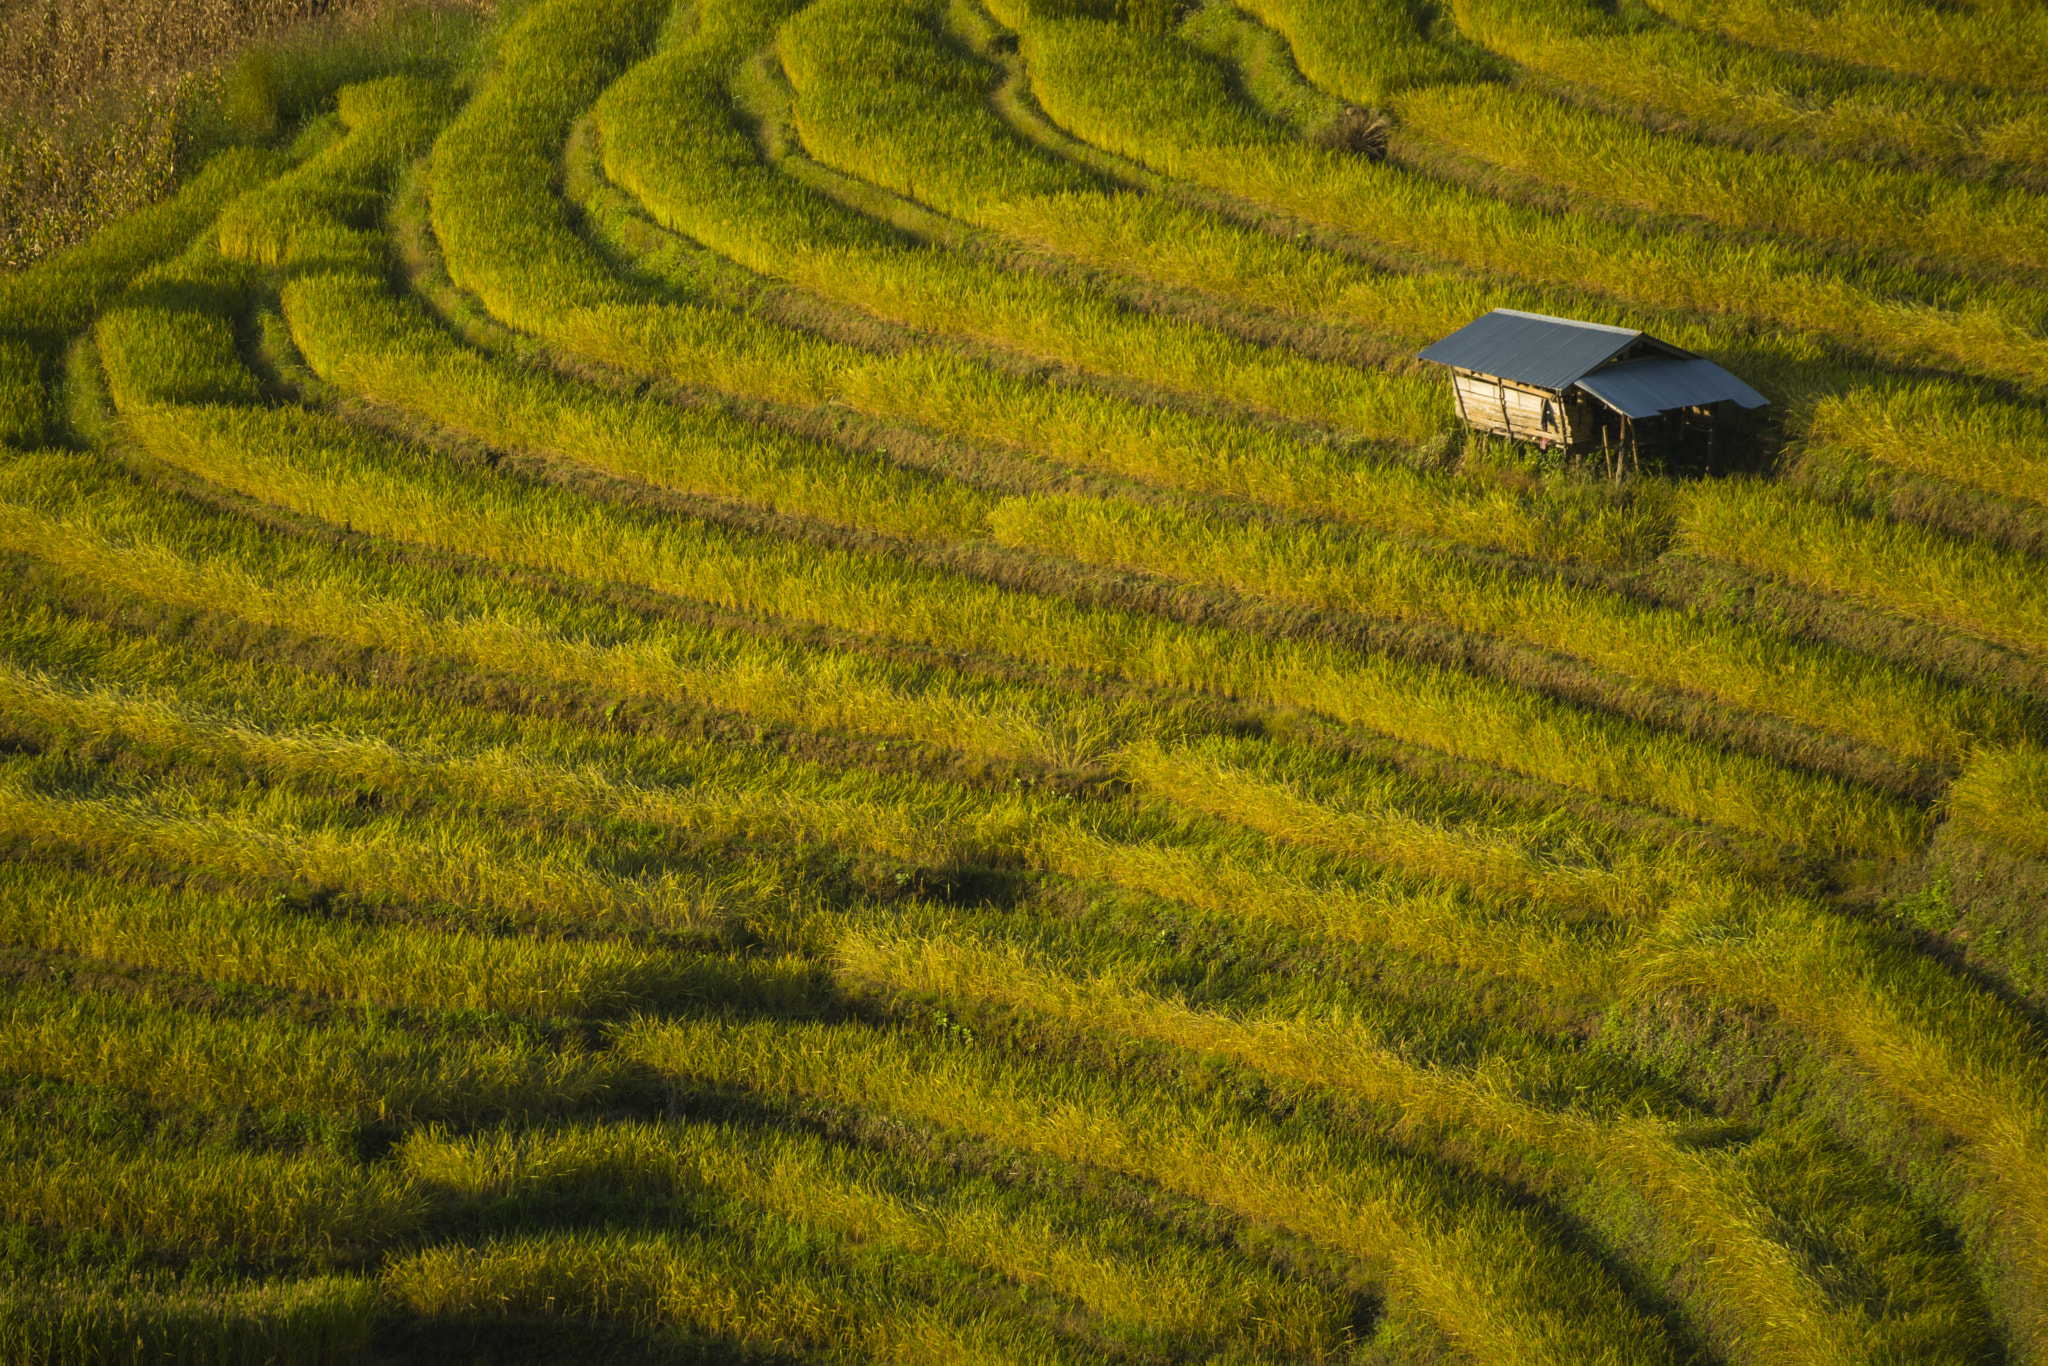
{"x":1586,"y":386}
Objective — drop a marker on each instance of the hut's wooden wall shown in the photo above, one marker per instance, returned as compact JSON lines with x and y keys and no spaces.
{"x":1506,"y":408}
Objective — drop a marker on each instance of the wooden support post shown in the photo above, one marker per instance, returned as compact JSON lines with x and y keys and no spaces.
{"x":1458,"y":397}
{"x":1500,"y":386}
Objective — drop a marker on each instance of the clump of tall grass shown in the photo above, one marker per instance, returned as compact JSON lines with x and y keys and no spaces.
{"x":1893,"y":565}
{"x":322,"y":1321}
{"x":2003,"y":794}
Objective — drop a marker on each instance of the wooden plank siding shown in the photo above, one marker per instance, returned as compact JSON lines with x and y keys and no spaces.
{"x":1522,"y":412}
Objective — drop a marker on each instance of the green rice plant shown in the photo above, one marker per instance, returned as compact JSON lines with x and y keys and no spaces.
{"x":1105,"y":1261}
{"x":1604,"y":157}
{"x":494,"y":212}
{"x":1896,"y":566}
{"x":1995,"y":46}
{"x":323,"y":207}
{"x":354,"y":335}
{"x":1378,"y":817}
{"x":366,"y":1068}
{"x":320,"y":1321}
{"x":1171,"y":108}
{"x":22,"y":419}
{"x":201,"y":1199}
{"x":57,"y":297}
{"x":877,"y":94}
{"x":1574,"y":956}
{"x":922,"y":823}
{"x":323,"y":469}
{"x":2003,"y":794}
{"x":123,"y":543}
{"x":856,"y":73}
{"x":1961,"y":1059}
{"x":1490,"y":1275}
{"x":1951,"y":431}
{"x":1367,"y":53}
{"x":670,"y":136}
{"x":1749,"y":94}
{"x":737,"y":1292}
{"x":1826,"y":688}
{"x":935,"y":290}
{"x":477,"y":764}
{"x":1764,"y":1303}
{"x":225,"y":939}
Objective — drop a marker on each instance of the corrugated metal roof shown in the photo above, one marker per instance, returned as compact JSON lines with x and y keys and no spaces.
{"x":1645,"y":388}
{"x":1530,"y":348}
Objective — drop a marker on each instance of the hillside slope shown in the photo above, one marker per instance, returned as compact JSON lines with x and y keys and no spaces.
{"x":817,"y":681}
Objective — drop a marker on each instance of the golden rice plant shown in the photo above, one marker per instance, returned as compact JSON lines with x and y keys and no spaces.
{"x":1102,"y":1261}
{"x":364,"y":1068}
{"x":1951,"y":431}
{"x":1748,"y":93}
{"x":1896,"y":566}
{"x":1765,"y":1302}
{"x":2003,"y":794}
{"x":705,"y":1283}
{"x":1994,"y":45}
{"x":225,"y":940}
{"x":1740,"y":664}
{"x":202,"y":1199}
{"x":1491,"y":1277}
{"x":1614,"y":159}
{"x":317,"y":1321}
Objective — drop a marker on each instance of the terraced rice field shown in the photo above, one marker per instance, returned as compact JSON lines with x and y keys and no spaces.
{"x":815,"y":681}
